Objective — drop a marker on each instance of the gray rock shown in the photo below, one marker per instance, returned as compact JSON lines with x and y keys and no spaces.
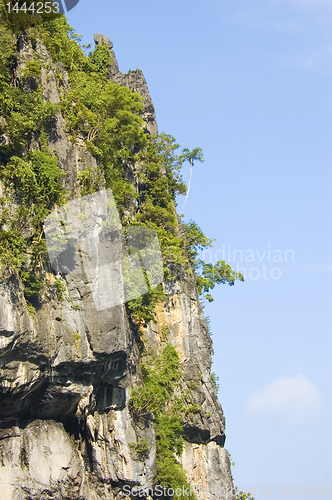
{"x":136,"y":82}
{"x":66,"y":372}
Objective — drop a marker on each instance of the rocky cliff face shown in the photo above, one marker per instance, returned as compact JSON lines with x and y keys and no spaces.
{"x":67,"y":371}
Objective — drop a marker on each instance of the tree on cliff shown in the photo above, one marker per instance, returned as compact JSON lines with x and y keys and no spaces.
{"x":191,"y":156}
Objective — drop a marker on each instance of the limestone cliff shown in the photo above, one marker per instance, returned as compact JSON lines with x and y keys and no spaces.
{"x":67,"y":369}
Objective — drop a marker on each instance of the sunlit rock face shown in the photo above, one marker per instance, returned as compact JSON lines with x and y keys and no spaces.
{"x":66,"y":371}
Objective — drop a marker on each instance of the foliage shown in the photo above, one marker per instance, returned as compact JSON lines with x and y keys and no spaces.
{"x":31,"y":70}
{"x":207,"y":275}
{"x":142,"y":309}
{"x":164,"y":332}
{"x":101,"y":60}
{"x":141,"y":449}
{"x":230,"y":459}
{"x":89,"y":181}
{"x":196,"y":241}
{"x":34,"y":177}
{"x":215,"y":379}
{"x":104,"y":111}
{"x":60,"y":288}
{"x":207,"y":319}
{"x":142,"y":171}
{"x":31,"y":187}
{"x":62,"y":43}
{"x":24,"y":110}
{"x":23,"y":19}
{"x":160,"y":395}
{"x":167,"y":146}
{"x":241,"y":495}
{"x":210,"y":275}
{"x":191,"y":156}
{"x":169,"y":442}
{"x":160,"y":379}
{"x":31,"y":310}
{"x":108,"y":116}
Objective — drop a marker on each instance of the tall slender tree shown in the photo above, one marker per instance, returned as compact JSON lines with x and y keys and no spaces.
{"x":191,"y":156}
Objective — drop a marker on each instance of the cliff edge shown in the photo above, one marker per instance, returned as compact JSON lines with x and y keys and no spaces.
{"x":69,"y":427}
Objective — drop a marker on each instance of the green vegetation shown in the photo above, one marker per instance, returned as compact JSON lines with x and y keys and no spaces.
{"x":215,"y":379}
{"x":141,"y":449}
{"x":241,"y":495}
{"x":230,"y":459}
{"x":191,"y":156}
{"x":89,"y":180}
{"x":31,"y":187}
{"x":30,"y":180}
{"x":142,"y":309}
{"x":207,"y":275}
{"x":143,"y":172}
{"x":161,"y":377}
{"x":170,"y":472}
{"x":60,"y":288}
{"x":163,"y":396}
{"x":31,"y":310}
{"x":164,"y":332}
{"x":22,"y":18}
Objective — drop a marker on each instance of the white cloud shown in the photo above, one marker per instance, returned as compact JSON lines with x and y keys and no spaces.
{"x":291,"y":400}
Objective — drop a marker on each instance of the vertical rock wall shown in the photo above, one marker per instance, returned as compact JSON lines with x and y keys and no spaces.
{"x":66,"y":372}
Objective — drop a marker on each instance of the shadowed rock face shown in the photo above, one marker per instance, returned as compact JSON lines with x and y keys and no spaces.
{"x":66,"y":372}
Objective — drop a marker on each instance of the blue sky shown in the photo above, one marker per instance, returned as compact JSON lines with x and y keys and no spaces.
{"x":249,"y":81}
